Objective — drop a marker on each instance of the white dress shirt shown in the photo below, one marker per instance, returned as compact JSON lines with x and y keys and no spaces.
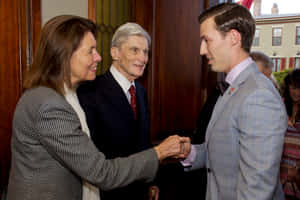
{"x":122,"y":81}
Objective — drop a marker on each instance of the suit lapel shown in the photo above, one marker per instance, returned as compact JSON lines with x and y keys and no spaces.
{"x":116,"y":96}
{"x":140,"y":100}
{"x":223,"y":100}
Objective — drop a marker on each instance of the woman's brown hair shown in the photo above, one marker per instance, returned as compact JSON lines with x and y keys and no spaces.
{"x":60,"y":37}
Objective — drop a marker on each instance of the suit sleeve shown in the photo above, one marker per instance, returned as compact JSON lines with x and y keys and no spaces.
{"x":200,"y":158}
{"x":59,"y":131}
{"x":262,"y":123}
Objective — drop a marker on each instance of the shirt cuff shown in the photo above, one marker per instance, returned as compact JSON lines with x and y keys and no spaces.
{"x":190,"y":159}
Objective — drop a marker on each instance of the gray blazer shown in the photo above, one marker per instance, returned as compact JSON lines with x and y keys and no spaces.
{"x":51,"y":154}
{"x":244,"y":141}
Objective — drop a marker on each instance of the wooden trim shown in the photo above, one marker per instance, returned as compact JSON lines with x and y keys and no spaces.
{"x":30,"y":27}
{"x":36,"y":22}
{"x":291,"y":62}
{"x":23,"y":39}
{"x":92,"y":10}
{"x":282,"y":63}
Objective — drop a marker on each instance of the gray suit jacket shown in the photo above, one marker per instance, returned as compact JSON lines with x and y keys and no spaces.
{"x":51,"y":154}
{"x":244,"y":141}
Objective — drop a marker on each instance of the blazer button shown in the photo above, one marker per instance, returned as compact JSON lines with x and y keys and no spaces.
{"x":208,"y":170}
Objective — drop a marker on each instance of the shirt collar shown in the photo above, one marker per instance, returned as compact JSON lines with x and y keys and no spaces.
{"x":234,"y":73}
{"x":121,"y":79}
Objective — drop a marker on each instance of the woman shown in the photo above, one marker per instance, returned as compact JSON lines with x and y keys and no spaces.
{"x":51,"y":151}
{"x":290,"y":163}
{"x":291,"y":96}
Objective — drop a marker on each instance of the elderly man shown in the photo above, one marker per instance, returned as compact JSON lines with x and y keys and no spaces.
{"x":116,"y":105}
{"x":265,"y":65}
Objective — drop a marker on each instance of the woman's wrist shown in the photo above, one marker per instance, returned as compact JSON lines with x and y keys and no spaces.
{"x":158,"y":152}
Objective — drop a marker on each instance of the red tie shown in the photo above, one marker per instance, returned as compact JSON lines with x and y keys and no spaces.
{"x":133,"y":99}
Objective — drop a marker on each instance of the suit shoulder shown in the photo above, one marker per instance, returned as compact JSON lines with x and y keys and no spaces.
{"x":257,"y":88}
{"x":93,"y":91}
{"x":254,"y":79}
{"x":88,"y":88}
{"x":99,"y":82}
{"x":101,"y":77}
{"x":261,"y":89}
{"x":41,"y":95}
{"x":140,"y":86}
{"x":37,"y":100}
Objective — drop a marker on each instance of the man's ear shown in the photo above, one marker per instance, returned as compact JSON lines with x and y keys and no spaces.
{"x":236,"y":37}
{"x":114,"y":52}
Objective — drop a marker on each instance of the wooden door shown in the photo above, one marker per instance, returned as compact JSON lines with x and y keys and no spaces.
{"x":19,"y":27}
{"x":10,"y":88}
{"x":176,"y":77}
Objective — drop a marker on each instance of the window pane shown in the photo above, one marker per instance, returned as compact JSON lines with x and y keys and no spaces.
{"x":256,"y":38}
{"x":256,"y":42}
{"x":297,"y":60}
{"x":278,"y":64}
{"x":110,"y":14}
{"x":257,"y":33}
{"x":298,"y":35}
{"x":298,"y":40}
{"x":298,"y":30}
{"x":276,"y":41}
{"x":277,"y":32}
{"x":274,"y":63}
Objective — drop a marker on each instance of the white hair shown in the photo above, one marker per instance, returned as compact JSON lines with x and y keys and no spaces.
{"x":123,"y":32}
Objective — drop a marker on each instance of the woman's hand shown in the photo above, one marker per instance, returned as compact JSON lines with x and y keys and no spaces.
{"x":291,"y":122}
{"x":174,"y":146}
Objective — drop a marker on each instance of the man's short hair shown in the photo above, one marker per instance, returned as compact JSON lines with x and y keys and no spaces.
{"x":228,"y":16}
{"x":129,"y":29}
{"x":258,"y":56}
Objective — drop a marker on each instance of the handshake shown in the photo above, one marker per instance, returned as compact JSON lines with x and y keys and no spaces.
{"x":174,"y":147}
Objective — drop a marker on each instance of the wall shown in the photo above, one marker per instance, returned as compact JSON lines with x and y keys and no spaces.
{"x":51,"y":8}
{"x":288,"y":48}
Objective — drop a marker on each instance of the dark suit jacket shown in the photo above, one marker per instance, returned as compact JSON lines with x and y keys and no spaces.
{"x":205,"y":115}
{"x":113,"y":127}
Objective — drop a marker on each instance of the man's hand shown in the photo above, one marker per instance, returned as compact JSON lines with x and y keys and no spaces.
{"x":175,"y":147}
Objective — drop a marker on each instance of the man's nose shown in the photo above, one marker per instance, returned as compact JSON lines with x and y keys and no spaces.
{"x":203,"y":48}
{"x":97,"y":57}
{"x":142,"y":57}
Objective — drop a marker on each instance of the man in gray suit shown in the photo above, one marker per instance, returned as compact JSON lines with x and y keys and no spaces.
{"x":244,"y":138}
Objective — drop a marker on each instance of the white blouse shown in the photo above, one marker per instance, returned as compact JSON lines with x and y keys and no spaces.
{"x":89,"y":192}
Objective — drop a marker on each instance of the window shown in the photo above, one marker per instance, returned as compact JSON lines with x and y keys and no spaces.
{"x":276,"y":66}
{"x":297,"y":62}
{"x":109,"y":15}
{"x":256,"y":38}
{"x":298,"y":35}
{"x":276,"y":36}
